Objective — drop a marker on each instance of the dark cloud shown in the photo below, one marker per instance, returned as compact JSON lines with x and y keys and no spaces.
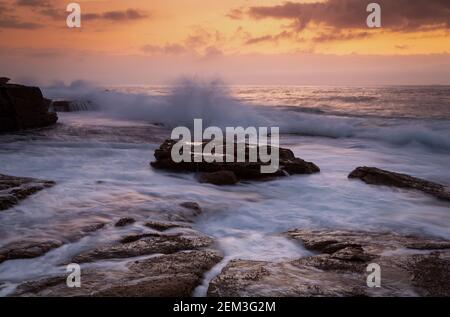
{"x":14,"y":23}
{"x":269,"y":38}
{"x":126,"y":15}
{"x":340,"y":36}
{"x":399,"y":15}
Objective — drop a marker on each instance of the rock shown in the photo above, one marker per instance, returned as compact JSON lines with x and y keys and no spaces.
{"x":376,"y":176}
{"x":339,"y":268}
{"x":145,"y":244}
{"x":289,"y":165}
{"x":192,"y":206}
{"x":124,"y":222}
{"x":61,"y":106}
{"x":4,"y":80}
{"x":219,"y":178}
{"x":173,"y":275}
{"x":23,"y":107}
{"x":35,"y":247}
{"x":14,"y":189}
{"x":27,"y":249}
{"x":163,"y":226}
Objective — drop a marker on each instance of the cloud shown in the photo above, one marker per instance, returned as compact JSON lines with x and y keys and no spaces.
{"x":14,"y":23}
{"x":268,"y":38}
{"x":171,"y":49}
{"x":340,"y":36}
{"x":125,"y":15}
{"x":398,"y":15}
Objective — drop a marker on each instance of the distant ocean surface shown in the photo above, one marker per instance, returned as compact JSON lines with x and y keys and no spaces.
{"x":426,"y":102}
{"x":403,"y":129}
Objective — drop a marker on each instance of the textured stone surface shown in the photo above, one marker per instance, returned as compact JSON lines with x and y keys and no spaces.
{"x":173,"y":275}
{"x":339,"y":268}
{"x":247,"y":170}
{"x":14,"y":189}
{"x":376,"y":176}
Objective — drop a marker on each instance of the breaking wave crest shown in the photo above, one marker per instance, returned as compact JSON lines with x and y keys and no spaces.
{"x":213,"y":102}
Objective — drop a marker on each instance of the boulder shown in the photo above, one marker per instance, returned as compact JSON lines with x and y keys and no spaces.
{"x":23,"y":107}
{"x":218,"y":178}
{"x":124,"y":222}
{"x":339,"y":267}
{"x":212,"y":172}
{"x":376,"y":176}
{"x":14,"y":189}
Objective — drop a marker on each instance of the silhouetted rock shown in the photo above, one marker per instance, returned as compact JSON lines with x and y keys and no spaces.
{"x":376,"y":176}
{"x":339,"y":268}
{"x":124,"y":222}
{"x":218,"y":178}
{"x":14,"y":189}
{"x":4,"y":80}
{"x":61,"y":106}
{"x":23,"y":107}
{"x":247,"y":170}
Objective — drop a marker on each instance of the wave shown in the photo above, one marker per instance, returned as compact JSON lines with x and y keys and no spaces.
{"x":212,"y":101}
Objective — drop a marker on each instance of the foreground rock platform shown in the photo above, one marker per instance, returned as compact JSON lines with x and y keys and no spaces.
{"x":410,"y":266}
{"x":171,"y":275}
{"x":14,"y":189}
{"x":225,"y":173}
{"x":376,"y":176}
{"x":23,"y":107}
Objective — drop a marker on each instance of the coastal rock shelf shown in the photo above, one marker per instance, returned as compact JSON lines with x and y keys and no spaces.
{"x":23,"y":107}
{"x":410,"y":266}
{"x":376,"y":176}
{"x":166,"y":258}
{"x":14,"y":189}
{"x":228,"y":173}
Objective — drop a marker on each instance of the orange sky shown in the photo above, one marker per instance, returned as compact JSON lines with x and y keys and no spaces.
{"x":244,"y":41}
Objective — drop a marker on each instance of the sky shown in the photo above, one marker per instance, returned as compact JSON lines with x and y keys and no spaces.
{"x":314,"y":42}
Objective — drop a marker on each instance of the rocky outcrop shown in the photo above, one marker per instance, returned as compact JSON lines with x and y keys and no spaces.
{"x":171,"y":275}
{"x":340,"y":268}
{"x":30,"y":248}
{"x":124,"y":222}
{"x":14,"y":189}
{"x":146,"y":244}
{"x":27,"y":249}
{"x":218,"y":178}
{"x":222,"y":173}
{"x":376,"y":176}
{"x":23,"y":107}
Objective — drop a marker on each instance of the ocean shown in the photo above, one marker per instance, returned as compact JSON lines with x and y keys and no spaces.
{"x":100,"y":161}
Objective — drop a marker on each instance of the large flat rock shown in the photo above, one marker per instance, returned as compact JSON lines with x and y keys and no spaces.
{"x":410,"y":266}
{"x":14,"y":189}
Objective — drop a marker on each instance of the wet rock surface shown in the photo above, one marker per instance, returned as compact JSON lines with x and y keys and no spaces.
{"x":14,"y":189}
{"x":376,"y":176}
{"x":146,"y":244}
{"x":35,"y":247}
{"x":221,"y":173}
{"x":172,"y":275}
{"x":23,"y":107}
{"x":125,"y":222}
{"x":339,"y":268}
